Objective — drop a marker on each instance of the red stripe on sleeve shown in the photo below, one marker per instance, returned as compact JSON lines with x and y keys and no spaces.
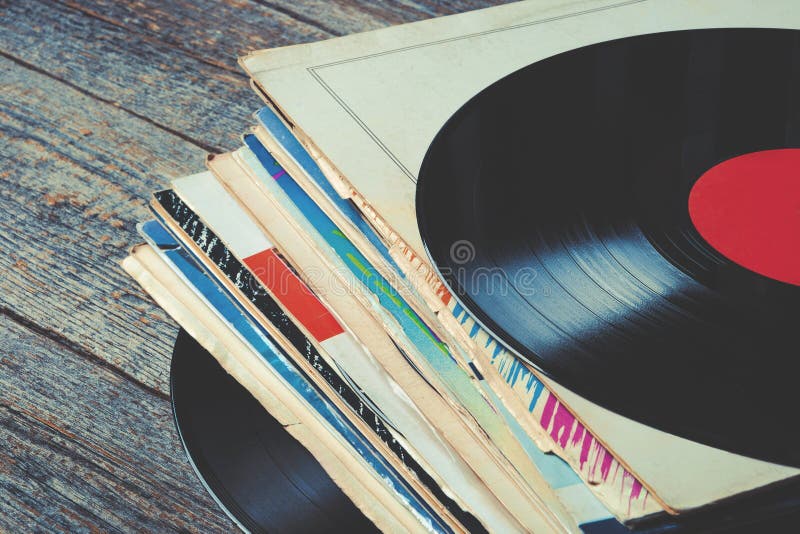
{"x":293,"y":294}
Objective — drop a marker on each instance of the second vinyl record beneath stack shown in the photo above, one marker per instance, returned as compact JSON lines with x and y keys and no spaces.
{"x":258,"y":473}
{"x":626,"y":217}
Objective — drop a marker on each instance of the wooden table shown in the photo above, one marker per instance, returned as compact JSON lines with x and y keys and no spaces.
{"x":103,"y":102}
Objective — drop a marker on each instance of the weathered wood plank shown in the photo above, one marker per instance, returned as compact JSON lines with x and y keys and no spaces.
{"x":194,"y":27}
{"x":86,"y":450}
{"x":214,"y":31}
{"x":123,"y":58}
{"x":349,"y":16}
{"x":75,"y":180}
{"x":438,"y":8}
{"x":205,"y":103}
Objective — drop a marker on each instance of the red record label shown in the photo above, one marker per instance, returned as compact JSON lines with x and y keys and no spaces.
{"x":748,"y":209}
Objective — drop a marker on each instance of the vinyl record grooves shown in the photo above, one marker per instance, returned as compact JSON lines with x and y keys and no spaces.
{"x":555,"y":205}
{"x":258,"y":473}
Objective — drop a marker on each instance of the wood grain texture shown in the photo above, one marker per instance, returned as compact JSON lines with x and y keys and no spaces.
{"x":102,"y":101}
{"x":71,"y":203}
{"x":205,"y":104}
{"x":349,"y":16}
{"x":183,"y":25}
{"x":108,"y":460}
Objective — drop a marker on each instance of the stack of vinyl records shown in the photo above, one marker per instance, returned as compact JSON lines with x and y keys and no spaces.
{"x":534,"y":268}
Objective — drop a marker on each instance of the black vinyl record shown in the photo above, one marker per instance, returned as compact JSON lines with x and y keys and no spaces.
{"x":626,"y":217}
{"x":259,"y":474}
